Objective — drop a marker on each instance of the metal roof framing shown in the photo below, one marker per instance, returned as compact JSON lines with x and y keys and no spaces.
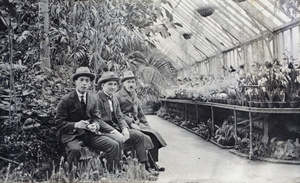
{"x":232,"y":24}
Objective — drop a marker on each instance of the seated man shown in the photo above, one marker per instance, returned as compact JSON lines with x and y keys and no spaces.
{"x":78,"y":120}
{"x":134,"y":115}
{"x":111,"y":114}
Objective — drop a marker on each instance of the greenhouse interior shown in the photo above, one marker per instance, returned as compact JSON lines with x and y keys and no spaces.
{"x":149,"y":90}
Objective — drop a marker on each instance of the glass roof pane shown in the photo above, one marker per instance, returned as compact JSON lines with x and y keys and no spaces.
{"x":239,"y":17}
{"x":229,"y":26}
{"x":257,"y":6}
{"x":190,"y":29}
{"x":265,"y":11}
{"x":274,"y":19}
{"x":210,"y":25}
{"x":248,"y":16}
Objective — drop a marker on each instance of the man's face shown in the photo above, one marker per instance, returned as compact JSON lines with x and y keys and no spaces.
{"x":110,"y":87}
{"x":82,"y":84}
{"x":129,"y":85}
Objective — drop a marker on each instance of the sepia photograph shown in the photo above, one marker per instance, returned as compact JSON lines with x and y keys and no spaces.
{"x":165,"y":91}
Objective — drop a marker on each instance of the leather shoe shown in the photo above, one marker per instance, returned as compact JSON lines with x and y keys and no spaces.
{"x":160,"y":169}
{"x":152,"y":172}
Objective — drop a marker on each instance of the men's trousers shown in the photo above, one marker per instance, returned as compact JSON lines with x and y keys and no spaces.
{"x":97,"y":142}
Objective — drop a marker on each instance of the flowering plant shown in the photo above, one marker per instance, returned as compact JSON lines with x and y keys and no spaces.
{"x":281,"y":95}
{"x":268,"y":82}
{"x":292,"y":79}
{"x":261,"y":94}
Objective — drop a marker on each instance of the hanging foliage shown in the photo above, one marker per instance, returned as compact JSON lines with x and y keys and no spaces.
{"x":187,"y":36}
{"x":206,"y":11}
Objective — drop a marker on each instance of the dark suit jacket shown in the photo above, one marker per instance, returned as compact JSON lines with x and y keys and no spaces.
{"x":106,"y":115}
{"x":131,"y":107}
{"x":69,"y":112}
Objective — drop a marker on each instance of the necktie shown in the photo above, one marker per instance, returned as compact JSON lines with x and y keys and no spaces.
{"x":82,"y":103}
{"x":110,"y":101}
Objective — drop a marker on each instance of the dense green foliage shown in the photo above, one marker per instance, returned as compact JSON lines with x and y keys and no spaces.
{"x":103,"y":35}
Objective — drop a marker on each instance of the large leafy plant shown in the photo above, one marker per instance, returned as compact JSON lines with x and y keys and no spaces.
{"x":155,"y":73}
{"x":89,"y":33}
{"x":101,"y":34}
{"x":224,"y":135}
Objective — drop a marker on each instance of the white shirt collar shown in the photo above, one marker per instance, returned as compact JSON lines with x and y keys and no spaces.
{"x":110,"y":102}
{"x":106,"y":94}
{"x":79,"y":96}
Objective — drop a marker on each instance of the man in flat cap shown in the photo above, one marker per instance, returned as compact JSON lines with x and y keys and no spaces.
{"x":131,"y":107}
{"x":79,"y":123}
{"x":112,"y":115}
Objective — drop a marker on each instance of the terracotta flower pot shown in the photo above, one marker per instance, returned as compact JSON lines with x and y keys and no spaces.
{"x":239,"y":102}
{"x":294,"y":104}
{"x":271,"y":104}
{"x":256,"y":104}
{"x":264,"y":105}
{"x":235,"y":102}
{"x":281,"y":104}
{"x":250,"y":103}
{"x":229,"y":101}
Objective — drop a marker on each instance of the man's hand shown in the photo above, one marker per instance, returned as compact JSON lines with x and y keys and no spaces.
{"x":92,"y":127}
{"x":126,"y":134}
{"x":82,"y":124}
{"x":118,"y":134}
{"x":135,"y":126}
{"x":137,"y":121}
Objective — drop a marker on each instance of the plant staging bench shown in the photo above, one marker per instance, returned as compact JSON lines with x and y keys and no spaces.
{"x":182,"y":109}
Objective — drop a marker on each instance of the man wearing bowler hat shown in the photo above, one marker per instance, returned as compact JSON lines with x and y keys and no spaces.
{"x":135,"y":117}
{"x":112,"y":115}
{"x":79,"y":123}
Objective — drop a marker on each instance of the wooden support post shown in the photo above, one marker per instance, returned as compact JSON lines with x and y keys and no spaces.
{"x":44,"y":43}
{"x":266,"y":130}
{"x":177,"y":109}
{"x":250,"y":137}
{"x":212,"y":120}
{"x":197,"y":114}
{"x":164,"y":105}
{"x":185,"y":112}
{"x":235,"y":127}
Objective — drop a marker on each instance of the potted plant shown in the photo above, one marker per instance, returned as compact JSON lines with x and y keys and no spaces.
{"x":249,"y":96}
{"x":262,"y":98}
{"x":240,"y":95}
{"x":269,"y":83}
{"x":282,"y":96}
{"x":271,"y":94}
{"x":292,"y":85}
